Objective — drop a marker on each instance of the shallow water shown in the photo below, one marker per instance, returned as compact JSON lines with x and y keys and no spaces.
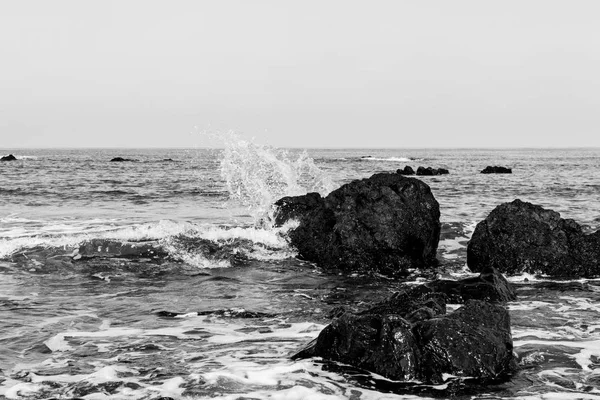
{"x":224,"y":325}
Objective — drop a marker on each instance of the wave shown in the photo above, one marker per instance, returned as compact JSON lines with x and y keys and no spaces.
{"x":198,"y":245}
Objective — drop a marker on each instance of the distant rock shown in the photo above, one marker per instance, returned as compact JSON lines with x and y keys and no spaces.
{"x":431,"y":171}
{"x":406,"y":171}
{"x":387,"y":224}
{"x":408,"y":339}
{"x":121,"y":159}
{"x":496,"y":170}
{"x":9,"y":157}
{"x":519,"y":237}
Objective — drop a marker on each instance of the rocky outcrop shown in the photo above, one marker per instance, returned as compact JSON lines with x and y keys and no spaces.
{"x":387,"y":224}
{"x":9,"y":157}
{"x":496,"y":170}
{"x":406,"y":171}
{"x":521,"y":237}
{"x":421,"y":171}
{"x":410,"y":338}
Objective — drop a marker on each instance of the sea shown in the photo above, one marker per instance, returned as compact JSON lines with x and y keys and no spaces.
{"x":220,"y":319}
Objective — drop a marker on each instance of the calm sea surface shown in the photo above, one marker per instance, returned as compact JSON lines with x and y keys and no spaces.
{"x":222,"y":324}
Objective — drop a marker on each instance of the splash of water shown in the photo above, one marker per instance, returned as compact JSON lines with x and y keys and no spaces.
{"x":256,"y":175}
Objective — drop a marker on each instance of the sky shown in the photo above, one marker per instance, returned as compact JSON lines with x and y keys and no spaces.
{"x":327,"y":73}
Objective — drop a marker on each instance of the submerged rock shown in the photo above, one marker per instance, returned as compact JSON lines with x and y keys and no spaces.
{"x":9,"y":157}
{"x":410,"y":338}
{"x":496,"y":170}
{"x":431,"y":171}
{"x":406,"y":171}
{"x":387,"y":224}
{"x":107,"y":248}
{"x":519,"y":237}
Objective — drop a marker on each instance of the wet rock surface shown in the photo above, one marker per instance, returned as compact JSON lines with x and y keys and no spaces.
{"x":519,"y":237}
{"x":412,"y":338}
{"x":385,"y":224}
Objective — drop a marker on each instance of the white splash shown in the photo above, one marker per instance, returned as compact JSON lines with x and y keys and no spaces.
{"x":256,"y":176}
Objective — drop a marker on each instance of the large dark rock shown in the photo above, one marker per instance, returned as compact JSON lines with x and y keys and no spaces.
{"x":9,"y":157}
{"x":410,"y":338}
{"x":431,"y":171}
{"x":496,"y":170}
{"x":521,"y":237}
{"x":387,"y":223}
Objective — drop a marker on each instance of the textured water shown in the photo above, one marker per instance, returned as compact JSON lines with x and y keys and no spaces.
{"x":222,"y":325}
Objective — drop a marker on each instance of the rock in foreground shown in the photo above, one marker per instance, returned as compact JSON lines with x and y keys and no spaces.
{"x":496,"y":170}
{"x":522,"y":237}
{"x":387,"y":224}
{"x":414,"y":339}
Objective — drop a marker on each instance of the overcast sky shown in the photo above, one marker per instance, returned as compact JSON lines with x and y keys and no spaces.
{"x":321,"y":73}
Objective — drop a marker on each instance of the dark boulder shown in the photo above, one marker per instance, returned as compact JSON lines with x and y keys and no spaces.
{"x":522,"y":237}
{"x":121,"y":159}
{"x":9,"y":157}
{"x":496,"y":170}
{"x":387,"y":223}
{"x":406,"y":171}
{"x":421,"y":171}
{"x":411,"y":338}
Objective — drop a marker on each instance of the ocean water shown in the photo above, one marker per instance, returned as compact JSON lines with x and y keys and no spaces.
{"x":221,"y":317}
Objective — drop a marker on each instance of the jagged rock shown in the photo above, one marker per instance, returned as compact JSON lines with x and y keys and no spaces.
{"x":431,"y":171}
{"x":496,"y":170}
{"x":413,"y":339}
{"x":406,"y":171}
{"x":386,"y":223}
{"x":521,"y":237}
{"x":9,"y":157}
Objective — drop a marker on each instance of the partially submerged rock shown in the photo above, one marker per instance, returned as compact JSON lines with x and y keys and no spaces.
{"x":519,"y":237}
{"x":121,"y":159}
{"x":406,"y":171}
{"x":496,"y":170}
{"x":411,"y":338}
{"x":431,"y":171}
{"x":387,"y":224}
{"x":108,"y":248}
{"x":9,"y":157}
{"x":490,"y":286}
